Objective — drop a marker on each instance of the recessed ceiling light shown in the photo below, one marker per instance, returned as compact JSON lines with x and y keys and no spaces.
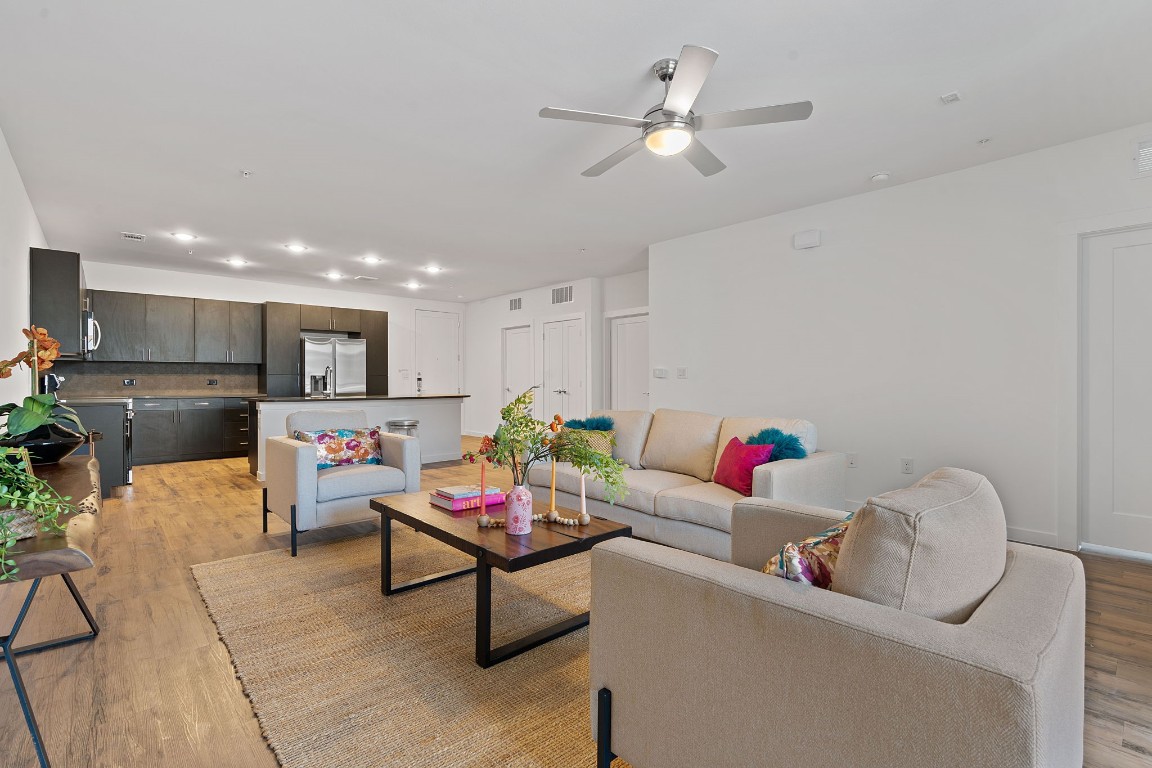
{"x":433,"y":269}
{"x":296,"y":247}
{"x":235,"y":261}
{"x":333,"y":275}
{"x":412,"y":285}
{"x":459,"y":295}
{"x":880,"y":178}
{"x":184,"y":236}
{"x":371,"y":259}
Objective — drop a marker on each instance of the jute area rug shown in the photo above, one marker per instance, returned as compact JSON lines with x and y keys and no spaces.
{"x":343,"y":677}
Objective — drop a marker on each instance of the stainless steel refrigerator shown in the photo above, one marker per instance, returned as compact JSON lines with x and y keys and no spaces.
{"x":333,"y":367}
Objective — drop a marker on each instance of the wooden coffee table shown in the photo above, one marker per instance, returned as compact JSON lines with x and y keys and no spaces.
{"x":492,"y":548}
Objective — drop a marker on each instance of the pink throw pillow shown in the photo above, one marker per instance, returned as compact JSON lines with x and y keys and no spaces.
{"x":736,"y":464}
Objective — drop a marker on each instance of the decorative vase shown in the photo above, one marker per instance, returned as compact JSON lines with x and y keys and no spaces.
{"x":518,"y":511}
{"x":48,"y":444}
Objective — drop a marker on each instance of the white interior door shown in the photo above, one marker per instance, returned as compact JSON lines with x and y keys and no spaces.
{"x":565,"y":370}
{"x":438,"y":352}
{"x":1117,"y":401}
{"x":517,"y":368}
{"x":630,"y":363}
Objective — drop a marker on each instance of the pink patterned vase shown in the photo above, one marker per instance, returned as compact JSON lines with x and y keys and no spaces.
{"x":518,"y":511}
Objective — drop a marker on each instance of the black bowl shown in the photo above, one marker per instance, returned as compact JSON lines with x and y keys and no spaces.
{"x":47,"y":445}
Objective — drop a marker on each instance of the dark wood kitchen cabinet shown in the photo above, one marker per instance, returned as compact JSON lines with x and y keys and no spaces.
{"x":280,"y":373}
{"x":122,"y":330}
{"x":314,"y":318}
{"x":57,"y":298}
{"x":227,"y":331}
{"x":374,"y":330}
{"x":171,"y":329}
{"x":201,"y":427}
{"x":155,"y":433}
{"x":344,"y":319}
{"x":111,"y":421}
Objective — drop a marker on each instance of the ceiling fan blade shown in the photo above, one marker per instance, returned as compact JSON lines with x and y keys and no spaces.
{"x":692,"y":69}
{"x":781,"y":113}
{"x":592,"y":117}
{"x":615,"y":158}
{"x":703,"y":159}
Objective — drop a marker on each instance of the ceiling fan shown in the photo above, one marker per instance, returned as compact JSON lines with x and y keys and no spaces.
{"x":670,"y":128}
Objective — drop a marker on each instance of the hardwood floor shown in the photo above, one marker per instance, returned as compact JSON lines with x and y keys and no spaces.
{"x":157,"y":687}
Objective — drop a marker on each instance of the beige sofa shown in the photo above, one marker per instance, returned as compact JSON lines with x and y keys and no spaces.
{"x":938,"y":645}
{"x":671,"y":457}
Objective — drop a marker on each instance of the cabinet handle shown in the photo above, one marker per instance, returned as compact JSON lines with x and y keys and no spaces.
{"x":202,"y":403}
{"x":243,"y":429}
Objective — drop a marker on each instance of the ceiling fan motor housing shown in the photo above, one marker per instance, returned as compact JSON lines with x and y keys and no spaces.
{"x":659,"y":120}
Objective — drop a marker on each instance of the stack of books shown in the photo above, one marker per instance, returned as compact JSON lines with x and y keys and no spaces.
{"x":460,"y":497}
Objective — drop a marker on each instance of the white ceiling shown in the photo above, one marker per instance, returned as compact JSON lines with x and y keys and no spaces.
{"x":410,"y":130}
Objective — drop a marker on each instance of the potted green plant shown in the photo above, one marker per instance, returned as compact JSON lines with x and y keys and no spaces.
{"x":49,"y":430}
{"x":522,"y":440}
{"x":28,"y":505}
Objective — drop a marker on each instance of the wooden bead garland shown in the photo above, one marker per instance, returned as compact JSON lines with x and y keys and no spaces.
{"x":484,"y":521}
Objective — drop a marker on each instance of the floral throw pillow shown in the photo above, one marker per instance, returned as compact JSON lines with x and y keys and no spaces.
{"x":337,"y":447}
{"x":812,"y":561}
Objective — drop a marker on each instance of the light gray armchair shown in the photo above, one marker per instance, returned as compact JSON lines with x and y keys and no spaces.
{"x":938,"y":645}
{"x":307,"y":497}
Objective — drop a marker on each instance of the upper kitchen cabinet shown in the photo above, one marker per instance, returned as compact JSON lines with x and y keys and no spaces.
{"x":58,"y":297}
{"x":314,"y":318}
{"x":227,"y":332}
{"x":121,"y":318}
{"x":171,"y":329}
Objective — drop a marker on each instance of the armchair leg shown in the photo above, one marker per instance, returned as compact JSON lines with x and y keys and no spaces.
{"x":294,"y":531}
{"x":604,"y":754}
{"x":265,"y":493}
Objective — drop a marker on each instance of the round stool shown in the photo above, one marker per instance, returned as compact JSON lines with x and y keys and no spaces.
{"x":403,"y":426}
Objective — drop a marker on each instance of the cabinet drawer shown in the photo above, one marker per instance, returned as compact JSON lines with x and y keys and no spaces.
{"x":235,"y":409}
{"x":139,"y":404}
{"x":236,"y":444}
{"x":236,"y":429}
{"x":197,"y":404}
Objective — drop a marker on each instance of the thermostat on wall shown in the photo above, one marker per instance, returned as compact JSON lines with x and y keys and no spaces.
{"x":807,"y":239}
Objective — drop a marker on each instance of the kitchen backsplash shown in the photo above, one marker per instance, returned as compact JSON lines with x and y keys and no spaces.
{"x":107,"y":379}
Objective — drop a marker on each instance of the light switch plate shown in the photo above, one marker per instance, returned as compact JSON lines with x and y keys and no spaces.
{"x":659,"y":373}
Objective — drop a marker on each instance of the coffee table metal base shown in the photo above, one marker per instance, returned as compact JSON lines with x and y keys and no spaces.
{"x":486,"y":655}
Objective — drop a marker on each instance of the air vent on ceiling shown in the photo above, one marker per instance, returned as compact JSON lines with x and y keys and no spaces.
{"x":135,"y":237}
{"x":1143,"y":158}
{"x":365,"y":277}
{"x":515,"y":304}
{"x":562,"y":295}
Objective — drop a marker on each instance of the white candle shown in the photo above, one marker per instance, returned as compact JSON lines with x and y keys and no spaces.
{"x":583,"y":500}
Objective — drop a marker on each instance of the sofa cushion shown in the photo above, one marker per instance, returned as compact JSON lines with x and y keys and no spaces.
{"x":352,"y":480}
{"x":734,"y":470}
{"x":935,"y":549}
{"x":813,"y":560}
{"x":707,"y":504}
{"x":743,"y":426}
{"x":642,"y":484}
{"x":335,"y":447}
{"x":683,"y":442}
{"x":631,"y":433}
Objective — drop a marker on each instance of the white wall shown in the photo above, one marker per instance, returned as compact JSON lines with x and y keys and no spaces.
{"x":401,"y":311}
{"x":926,"y":326}
{"x":19,"y":230}
{"x":625,"y":291}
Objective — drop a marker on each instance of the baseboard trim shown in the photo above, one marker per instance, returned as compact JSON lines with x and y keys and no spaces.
{"x":472,"y":433}
{"x":1039,"y":538}
{"x":1126,"y":554}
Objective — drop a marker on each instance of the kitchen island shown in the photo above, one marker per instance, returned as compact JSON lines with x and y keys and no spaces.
{"x":439,"y":416}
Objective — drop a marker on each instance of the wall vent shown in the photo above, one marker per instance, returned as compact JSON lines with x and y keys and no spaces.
{"x":1143,"y":158}
{"x":515,"y":304}
{"x":135,"y":237}
{"x":562,"y":295}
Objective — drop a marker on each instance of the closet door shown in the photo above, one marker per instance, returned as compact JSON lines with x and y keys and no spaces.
{"x":565,"y":371}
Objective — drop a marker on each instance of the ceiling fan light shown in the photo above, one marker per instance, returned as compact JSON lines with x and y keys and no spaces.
{"x":668,"y":141}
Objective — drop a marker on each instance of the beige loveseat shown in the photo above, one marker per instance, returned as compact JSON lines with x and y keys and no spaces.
{"x":671,"y":457}
{"x":939,"y":645}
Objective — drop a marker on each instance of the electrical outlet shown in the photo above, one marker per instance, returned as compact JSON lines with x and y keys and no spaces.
{"x":129,"y":382}
{"x":851,"y":461}
{"x":681,"y":373}
{"x":213,"y":382}
{"x":906,"y":466}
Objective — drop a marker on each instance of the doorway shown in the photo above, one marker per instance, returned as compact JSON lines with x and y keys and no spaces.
{"x":1116,"y":367}
{"x":437,"y":352}
{"x":565,"y":364}
{"x":629,"y":362}
{"x":516,"y":354}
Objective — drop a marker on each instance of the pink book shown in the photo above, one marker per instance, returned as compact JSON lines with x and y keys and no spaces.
{"x":457,"y":505}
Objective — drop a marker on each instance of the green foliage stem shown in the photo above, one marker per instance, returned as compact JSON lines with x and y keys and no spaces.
{"x":22,"y":491}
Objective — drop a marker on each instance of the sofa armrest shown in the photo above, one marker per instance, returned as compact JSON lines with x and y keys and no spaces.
{"x":714,"y":658}
{"x":290,"y":477}
{"x":760,"y":527}
{"x":819,"y":479}
{"x":402,"y":452}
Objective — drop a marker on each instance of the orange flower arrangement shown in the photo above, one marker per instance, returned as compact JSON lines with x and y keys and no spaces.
{"x":37,"y":410}
{"x":42,"y":350}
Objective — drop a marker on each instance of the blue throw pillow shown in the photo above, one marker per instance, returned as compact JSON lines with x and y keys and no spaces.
{"x":787,"y":446}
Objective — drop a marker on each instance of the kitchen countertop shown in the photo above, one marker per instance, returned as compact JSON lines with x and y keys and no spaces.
{"x":99,"y":399}
{"x":266,"y":399}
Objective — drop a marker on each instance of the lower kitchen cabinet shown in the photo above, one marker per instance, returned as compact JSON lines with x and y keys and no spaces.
{"x":188,"y":429}
{"x":111,"y":421}
{"x":201,"y":427}
{"x":155,"y":436}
